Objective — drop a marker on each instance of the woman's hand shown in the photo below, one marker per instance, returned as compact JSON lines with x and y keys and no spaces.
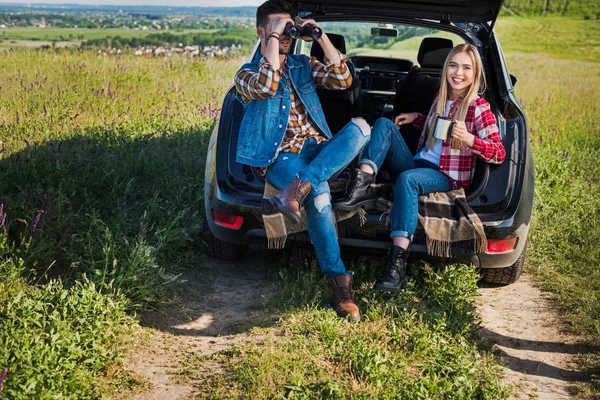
{"x":403,"y":119}
{"x":460,"y":133}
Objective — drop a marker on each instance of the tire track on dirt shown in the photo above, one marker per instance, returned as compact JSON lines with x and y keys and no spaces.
{"x":217,"y":306}
{"x":537,"y":356}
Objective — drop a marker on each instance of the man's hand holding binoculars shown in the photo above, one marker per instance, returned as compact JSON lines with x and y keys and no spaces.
{"x":308,"y":30}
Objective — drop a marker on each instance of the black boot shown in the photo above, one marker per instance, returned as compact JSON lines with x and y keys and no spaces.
{"x":394,"y":278}
{"x":359,"y":194}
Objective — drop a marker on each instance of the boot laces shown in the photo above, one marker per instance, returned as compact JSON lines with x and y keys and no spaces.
{"x":297,"y":193}
{"x":346,"y":292}
{"x":354,"y":185}
{"x":391,"y":266}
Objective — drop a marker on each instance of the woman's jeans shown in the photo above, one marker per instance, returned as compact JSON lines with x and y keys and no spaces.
{"x":412,"y":178}
{"x":316,"y":164}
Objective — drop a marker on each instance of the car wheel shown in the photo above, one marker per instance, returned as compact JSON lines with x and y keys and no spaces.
{"x":220,"y":249}
{"x":505,"y":276}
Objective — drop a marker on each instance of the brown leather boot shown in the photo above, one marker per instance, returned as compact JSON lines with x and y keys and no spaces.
{"x":289,"y":201}
{"x":342,"y":300}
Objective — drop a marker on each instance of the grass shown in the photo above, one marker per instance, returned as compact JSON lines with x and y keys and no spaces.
{"x":558,"y":86}
{"x":420,"y":344}
{"x":564,"y":38}
{"x":101,"y":164}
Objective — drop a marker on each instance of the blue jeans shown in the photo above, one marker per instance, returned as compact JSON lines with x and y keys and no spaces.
{"x":411,"y":178}
{"x":316,"y":164}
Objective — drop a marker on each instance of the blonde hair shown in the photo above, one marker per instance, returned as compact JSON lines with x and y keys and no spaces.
{"x":478,"y":86}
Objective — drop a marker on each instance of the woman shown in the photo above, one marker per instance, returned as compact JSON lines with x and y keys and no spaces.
{"x":439,"y":165}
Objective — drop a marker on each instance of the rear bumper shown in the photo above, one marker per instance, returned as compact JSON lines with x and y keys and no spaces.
{"x":251,"y":232}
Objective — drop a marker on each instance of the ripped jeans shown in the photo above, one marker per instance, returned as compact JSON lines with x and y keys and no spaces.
{"x":316,"y":164}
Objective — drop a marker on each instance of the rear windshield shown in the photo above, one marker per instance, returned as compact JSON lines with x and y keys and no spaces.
{"x":368,"y":39}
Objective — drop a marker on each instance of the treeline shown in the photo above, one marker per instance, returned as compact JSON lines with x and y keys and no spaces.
{"x":357,"y":36}
{"x":227,"y":37}
{"x":583,"y":8}
{"x":56,"y":20}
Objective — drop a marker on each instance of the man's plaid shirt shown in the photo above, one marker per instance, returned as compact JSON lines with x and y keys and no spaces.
{"x":459,"y":164}
{"x":263,"y":84}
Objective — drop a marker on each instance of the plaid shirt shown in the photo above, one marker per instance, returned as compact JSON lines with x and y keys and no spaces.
{"x":459,"y":164}
{"x":263,"y":84}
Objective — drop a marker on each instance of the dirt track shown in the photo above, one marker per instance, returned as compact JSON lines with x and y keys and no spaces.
{"x":516,"y":319}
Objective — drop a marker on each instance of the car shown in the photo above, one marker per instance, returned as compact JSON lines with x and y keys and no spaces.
{"x":397,"y":50}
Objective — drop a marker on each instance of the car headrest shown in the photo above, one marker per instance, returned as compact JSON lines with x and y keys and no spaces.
{"x":431,"y":44}
{"x":435,"y":58}
{"x":338,"y":42}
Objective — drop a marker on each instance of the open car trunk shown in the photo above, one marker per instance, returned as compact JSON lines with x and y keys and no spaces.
{"x":479,"y":11}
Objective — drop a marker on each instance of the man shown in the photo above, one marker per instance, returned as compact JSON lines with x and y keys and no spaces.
{"x":285,"y":130}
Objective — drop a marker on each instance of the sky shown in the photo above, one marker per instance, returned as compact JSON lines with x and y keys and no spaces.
{"x":189,"y":3}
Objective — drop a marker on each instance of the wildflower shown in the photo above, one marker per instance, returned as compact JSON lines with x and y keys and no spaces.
{"x":36,"y":222}
{"x":2,"y":215}
{"x":2,"y":376}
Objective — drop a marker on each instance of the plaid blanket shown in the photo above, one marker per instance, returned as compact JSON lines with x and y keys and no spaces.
{"x":449,"y":223}
{"x":278,"y":227}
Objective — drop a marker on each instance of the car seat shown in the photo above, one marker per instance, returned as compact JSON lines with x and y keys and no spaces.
{"x":339,"y":106}
{"x":416,"y":92}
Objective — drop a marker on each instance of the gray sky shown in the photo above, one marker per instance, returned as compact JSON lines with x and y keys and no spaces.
{"x":189,"y":3}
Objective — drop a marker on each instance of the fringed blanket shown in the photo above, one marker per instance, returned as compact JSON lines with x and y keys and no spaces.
{"x":449,"y":222}
{"x":278,"y":227}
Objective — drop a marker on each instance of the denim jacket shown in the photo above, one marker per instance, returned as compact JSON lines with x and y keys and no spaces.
{"x":264,"y":124}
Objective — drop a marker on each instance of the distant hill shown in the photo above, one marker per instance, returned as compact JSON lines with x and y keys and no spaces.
{"x":582,"y":8}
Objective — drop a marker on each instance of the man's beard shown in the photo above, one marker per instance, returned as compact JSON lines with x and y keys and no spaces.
{"x":283,"y":51}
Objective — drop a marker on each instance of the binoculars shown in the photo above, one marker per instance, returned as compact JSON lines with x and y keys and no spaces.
{"x":306,"y":32}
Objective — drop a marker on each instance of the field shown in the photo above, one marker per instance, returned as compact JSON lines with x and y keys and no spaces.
{"x":101,"y":164}
{"x":73,"y":34}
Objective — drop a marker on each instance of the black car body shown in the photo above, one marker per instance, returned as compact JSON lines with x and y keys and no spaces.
{"x":502,"y":195}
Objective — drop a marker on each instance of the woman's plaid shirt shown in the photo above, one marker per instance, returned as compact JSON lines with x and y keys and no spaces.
{"x":459,"y":164}
{"x":252,"y":85}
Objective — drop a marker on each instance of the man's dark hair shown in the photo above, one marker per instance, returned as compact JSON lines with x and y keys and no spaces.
{"x":271,"y":7}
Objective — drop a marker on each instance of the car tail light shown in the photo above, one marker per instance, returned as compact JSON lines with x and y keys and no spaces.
{"x":227,"y":220}
{"x":501,"y":245}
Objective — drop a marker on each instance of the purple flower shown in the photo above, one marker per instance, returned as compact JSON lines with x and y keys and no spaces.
{"x":36,"y":222}
{"x":2,"y":376}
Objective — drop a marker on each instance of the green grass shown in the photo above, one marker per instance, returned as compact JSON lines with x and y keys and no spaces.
{"x":101,"y":167}
{"x":565,"y":38}
{"x":66,"y":34}
{"x":559,"y":92}
{"x":419,"y":344}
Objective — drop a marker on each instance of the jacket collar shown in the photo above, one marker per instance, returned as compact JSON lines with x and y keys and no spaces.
{"x":293,"y":62}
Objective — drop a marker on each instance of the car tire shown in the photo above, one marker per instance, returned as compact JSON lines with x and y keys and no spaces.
{"x":220,"y":249}
{"x":505,"y":276}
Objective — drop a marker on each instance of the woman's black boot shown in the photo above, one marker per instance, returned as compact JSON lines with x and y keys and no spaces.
{"x":394,"y":278}
{"x":360,"y":193}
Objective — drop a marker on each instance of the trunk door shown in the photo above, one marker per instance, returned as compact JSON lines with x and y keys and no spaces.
{"x":477,"y":11}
